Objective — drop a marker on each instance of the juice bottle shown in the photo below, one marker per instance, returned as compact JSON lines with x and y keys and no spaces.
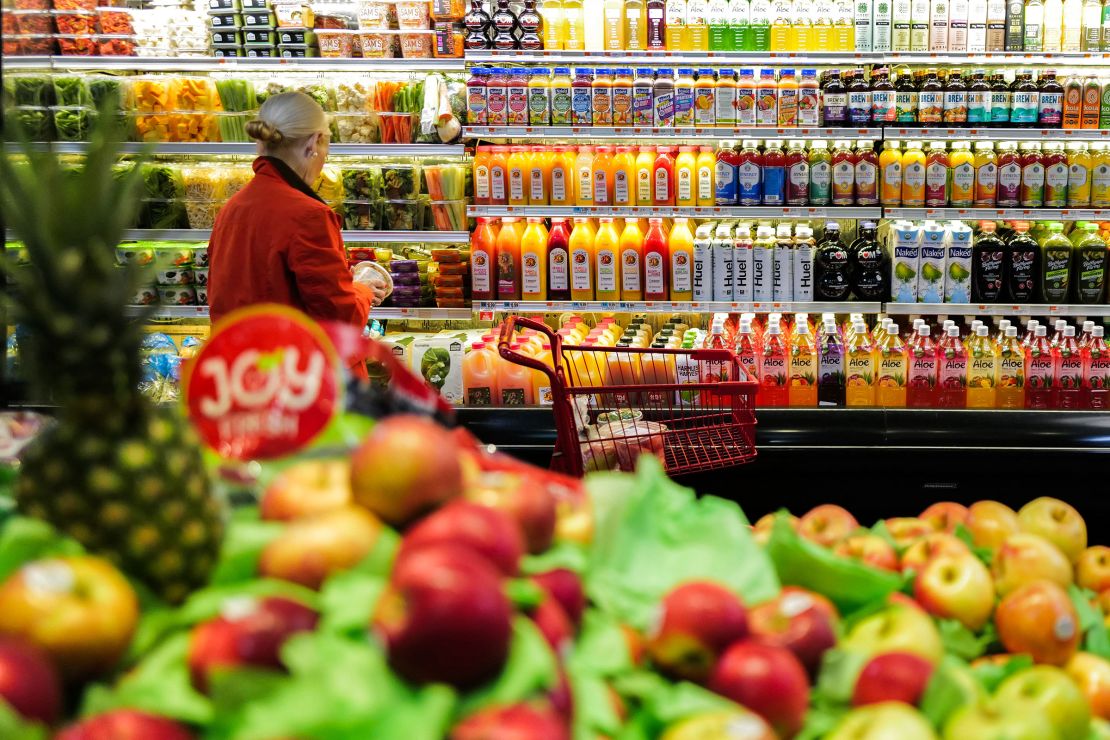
{"x":538,"y":182}
{"x":1040,"y":371}
{"x":802,"y":25}
{"x":1096,"y":371}
{"x":541,"y":383}
{"x":746,"y":95}
{"x":697,"y":28}
{"x":981,"y":370}
{"x":574,"y":24}
{"x":1032,"y":176}
{"x":685,"y":173}
{"x":930,"y":100}
{"x":1068,"y":369}
{"x":483,"y":249}
{"x":584,"y":176}
{"x":508,"y":259}
{"x":558,"y":261}
{"x":562,"y":98}
{"x":645,"y":178}
{"x":705,"y":103}
{"x":1050,"y":101}
{"x":739,"y":36}
{"x":797,"y":174}
{"x":913,"y":175}
{"x":663,"y":98}
{"x":553,"y":22}
{"x":624,"y":177}
{"x":774,"y":174}
{"x":830,"y":366}
{"x":979,"y":100}
{"x":788,"y":100}
{"x":519,"y":168}
{"x":533,"y":255}
{"x":603,"y":176}
{"x":725,"y":177}
{"x":498,"y":176}
{"x":613,"y":30}
{"x":706,"y":167}
{"x":724,"y":98}
{"x":606,"y":248}
{"x":906,"y":98}
{"x":517,"y":101}
{"x":986,"y":175}
{"x":656,"y":260}
{"x":675,"y":25}
{"x":681,"y":246}
{"x":477,"y":96}
{"x":843,"y":174}
{"x":663,"y":178}
{"x":582,"y":259}
{"x":622,"y":96}
{"x":921,"y":373}
{"x":844,"y":26}
{"x":684,"y":97}
{"x":867,"y":173}
{"x":564,"y":174}
{"x":1009,"y":176}
{"x":955,"y":100}
{"x":802,"y":390}
{"x":497,"y":97}
{"x":890,"y":169}
{"x":480,"y":369}
{"x":860,"y":371}
{"x":820,"y":174}
{"x":582,"y":97}
{"x":760,"y":25}
{"x":602,"y":97}
{"x":766,"y":99}
{"x":1093,"y":98}
{"x":952,"y":371}
{"x":773,"y":389}
{"x":809,"y":100}
{"x":1055,"y":175}
{"x":514,"y":382}
{"x":747,"y":350}
{"x":1100,"y":175}
{"x":643,"y":97}
{"x":893,"y":368}
{"x":1079,"y":175}
{"x":1010,"y":372}
{"x":1089,"y":270}
{"x":749,"y":174}
{"x":936,"y":176}
{"x":782,"y":36}
{"x":632,"y":261}
{"x":480,"y":167}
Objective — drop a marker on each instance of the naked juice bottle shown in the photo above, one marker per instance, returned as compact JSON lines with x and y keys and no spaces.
{"x":606,"y":249}
{"x":533,"y":249}
{"x":656,"y":260}
{"x":632,"y":261}
{"x":558,"y":261}
{"x":582,"y":257}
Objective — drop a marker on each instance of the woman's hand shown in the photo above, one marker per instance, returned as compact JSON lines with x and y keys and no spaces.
{"x":375,"y":277}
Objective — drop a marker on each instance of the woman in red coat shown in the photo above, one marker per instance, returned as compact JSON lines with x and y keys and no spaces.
{"x":276,"y":241}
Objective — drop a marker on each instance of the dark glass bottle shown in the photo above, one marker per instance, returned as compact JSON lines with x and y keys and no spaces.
{"x":1050,"y":105}
{"x":930,"y":100}
{"x":987,"y":265}
{"x":883,"y":98}
{"x":1022,"y":268}
{"x":531,"y":24}
{"x":477,"y":23}
{"x":955,"y":99}
{"x":868,"y":265}
{"x":905,"y":97}
{"x":833,"y":272}
{"x":1024,"y":101}
{"x":504,"y":24}
{"x":859,"y":99}
{"x":835,"y":94}
{"x":979,"y":100}
{"x":1000,"y":102}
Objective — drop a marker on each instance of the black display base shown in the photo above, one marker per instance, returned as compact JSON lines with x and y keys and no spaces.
{"x":880,"y":463}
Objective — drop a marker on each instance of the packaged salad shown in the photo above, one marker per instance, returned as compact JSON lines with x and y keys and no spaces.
{"x":71,"y":90}
{"x":72,"y":123}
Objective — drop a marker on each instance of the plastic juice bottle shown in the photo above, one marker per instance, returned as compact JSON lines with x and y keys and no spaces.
{"x":584,"y":176}
{"x":1090,"y":267}
{"x":624,"y":177}
{"x":921,"y":374}
{"x":656,"y":25}
{"x":601,"y":90}
{"x":747,"y":350}
{"x":514,"y":382}
{"x":613,"y":30}
{"x":1032,"y":176}
{"x":782,"y":36}
{"x":558,"y":261}
{"x":656,"y":260}
{"x":582,"y":259}
{"x":554,"y":25}
{"x":480,"y":370}
{"x":607,"y":270}
{"x":1055,"y":175}
{"x":961,"y":163}
{"x":746,"y":99}
{"x":705,"y":174}
{"x":1040,"y":371}
{"x":632,"y":261}
{"x":890,"y":169}
{"x":867,"y":173}
{"x":635,"y":25}
{"x":564,"y":176}
{"x":645,"y":179}
{"x":767,"y":99}
{"x":538,"y":182}
{"x":519,"y":166}
{"x":859,"y":99}
{"x":913,"y":175}
{"x":684,"y":97}
{"x":581,"y":97}
{"x":952,"y":368}
{"x":860,"y":368}
{"x":483,"y":249}
{"x":575,"y":25}
{"x":820,"y":174}
{"x":830,"y":366}
{"x":541,"y":384}
{"x":981,"y":370}
{"x":1093,"y":103}
{"x":1079,"y":175}
{"x":1068,"y":367}
{"x":705,"y":103}
{"x":681,"y":247}
{"x":760,"y":25}
{"x":643,"y":97}
{"x":1100,"y":175}
{"x":936,"y":176}
{"x":892,"y":370}
{"x":739,"y":27}
{"x":603,"y":176}
{"x":843,"y":174}
{"x":533,"y":249}
{"x":1096,"y":371}
{"x":1010,"y":372}
{"x":1009,"y":176}
{"x":749,"y":175}
{"x":724,"y":98}
{"x":823,"y":33}
{"x":773,"y":368}
{"x":802,"y":388}
{"x":717,"y":19}
{"x":774,"y":174}
{"x":508,"y":260}
{"x":498,"y":176}
{"x":986,"y":175}
{"x":562,"y":97}
{"x":676,"y":26}
{"x":622,"y":97}
{"x":844,"y":26}
{"x":480,"y":167}
{"x":797,"y":174}
{"x":697,"y":28}
{"x":685,"y":167}
{"x":1056,"y":258}
{"x":788,"y":91}
{"x":663,"y":178}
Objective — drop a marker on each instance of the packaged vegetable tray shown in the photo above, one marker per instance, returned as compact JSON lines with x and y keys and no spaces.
{"x":79,"y":22}
{"x":71,"y":90}
{"x":356,"y":128}
{"x":176,"y":126}
{"x":400,"y":181}
{"x":32,"y":22}
{"x":362,"y":182}
{"x":77,"y":45}
{"x":115,"y":45}
{"x":28,"y":90}
{"x":403,"y":215}
{"x":362,"y":215}
{"x":115,"y":21}
{"x":37,"y":122}
{"x":72,"y":123}
{"x":446,"y":181}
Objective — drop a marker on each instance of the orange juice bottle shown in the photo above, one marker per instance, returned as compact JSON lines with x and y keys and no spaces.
{"x":564,"y":171}
{"x":515,"y":382}
{"x":584,"y":180}
{"x":802,"y":383}
{"x":480,"y":368}
{"x":632,"y":261}
{"x":541,"y":383}
{"x":582,"y":260}
{"x":606,"y":248}
{"x":685,"y":166}
{"x":624,"y":177}
{"x":603,"y":176}
{"x":498,"y":176}
{"x":681,"y":243}
{"x":706,"y":176}
{"x":508,"y":260}
{"x":913,"y":175}
{"x":533,"y":259}
{"x":645,"y":163}
{"x":890,"y":171}
{"x":481,"y":175}
{"x":539,"y":176}
{"x":520,"y":165}
{"x":483,"y":254}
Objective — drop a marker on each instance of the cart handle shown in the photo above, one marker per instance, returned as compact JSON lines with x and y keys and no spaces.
{"x":505,"y":340}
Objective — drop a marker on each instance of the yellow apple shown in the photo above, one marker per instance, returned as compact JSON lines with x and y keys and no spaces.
{"x":1092,"y":570}
{"x":990,"y":522}
{"x":929,"y":547}
{"x":1056,"y":521}
{"x":1092,"y":674}
{"x":896,"y":629}
{"x":1025,"y":558}
{"x":956,"y":587}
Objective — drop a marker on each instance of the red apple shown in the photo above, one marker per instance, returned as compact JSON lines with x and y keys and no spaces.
{"x":698,"y":620}
{"x":956,"y":587}
{"x":516,"y":722}
{"x":827,"y":524}
{"x":990,"y":523}
{"x":125,"y":724}
{"x":29,"y":683}
{"x":307,"y":488}
{"x":488,"y":532}
{"x":1092,"y":674}
{"x":870,"y":549}
{"x":1056,"y":521}
{"x":532,"y":507}
{"x":566,"y":586}
{"x":249,"y":632}
{"x":1039,"y":619}
{"x":800,"y":621}
{"x":445,"y":618}
{"x":767,"y":680}
{"x":892,"y":677}
{"x":405,"y":467}
{"x":944,"y":516}
{"x":79,"y":610}
{"x":315,"y":547}
{"x":554,"y":624}
{"x":1026,"y":558}
{"x":1092,"y":570}
{"x":907,"y":530}
{"x":930,"y":546}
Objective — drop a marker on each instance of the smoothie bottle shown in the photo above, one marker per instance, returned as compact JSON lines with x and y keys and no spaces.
{"x":705,"y":99}
{"x":643,"y":97}
{"x":725,"y":98}
{"x":582,"y":258}
{"x":581,"y":97}
{"x":539,"y":97}
{"x":788,"y":100}
{"x":558,"y":261}
{"x":622,"y":97}
{"x":533,"y":249}
{"x":602,"y":101}
{"x":632,"y":261}
{"x":656,"y":260}
{"x":684,"y":97}
{"x":561,"y":97}
{"x":607,"y":269}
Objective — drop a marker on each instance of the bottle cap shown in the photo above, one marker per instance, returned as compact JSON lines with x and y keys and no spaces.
{"x":1097,"y":331}
{"x":954,"y":331}
{"x":1040,"y":331}
{"x":1011,"y":331}
{"x":1069,"y":331}
{"x":925,"y":331}
{"x":981,"y":331}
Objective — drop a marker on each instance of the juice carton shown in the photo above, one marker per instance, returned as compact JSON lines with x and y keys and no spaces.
{"x":930,"y":283}
{"x":907,"y":259}
{"x":957,"y":278}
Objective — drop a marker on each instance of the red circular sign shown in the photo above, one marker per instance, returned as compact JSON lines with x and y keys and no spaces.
{"x":264,"y":385}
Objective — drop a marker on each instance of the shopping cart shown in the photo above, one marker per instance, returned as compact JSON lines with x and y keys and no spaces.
{"x":691,"y":408}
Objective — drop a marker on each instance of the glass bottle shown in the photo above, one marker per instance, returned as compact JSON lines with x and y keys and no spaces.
{"x":477,"y":23}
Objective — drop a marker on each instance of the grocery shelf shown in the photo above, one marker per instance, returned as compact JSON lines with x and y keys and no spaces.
{"x":434,"y":314}
{"x":655,"y":132}
{"x":250,"y":149}
{"x":813,"y":58}
{"x":230,"y":64}
{"x":993,"y":309}
{"x":672,"y":211}
{"x":1035,"y":214}
{"x":675,"y":307}
{"x":171,"y":312}
{"x":377,"y":237}
{"x":994,"y":134}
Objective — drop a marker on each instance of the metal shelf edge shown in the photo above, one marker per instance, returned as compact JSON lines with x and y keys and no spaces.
{"x":668,"y":211}
{"x":675,"y":307}
{"x":249,"y":149}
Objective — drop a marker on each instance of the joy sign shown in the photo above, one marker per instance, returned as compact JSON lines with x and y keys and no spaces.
{"x":266,"y":383}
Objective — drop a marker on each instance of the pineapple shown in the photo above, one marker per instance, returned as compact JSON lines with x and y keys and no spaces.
{"x":122,"y":477}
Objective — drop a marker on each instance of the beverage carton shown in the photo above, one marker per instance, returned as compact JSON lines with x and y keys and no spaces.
{"x":906,"y":262}
{"x":957,"y":277}
{"x":930,"y":282}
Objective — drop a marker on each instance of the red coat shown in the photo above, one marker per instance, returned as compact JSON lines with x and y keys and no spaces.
{"x":275,"y":241}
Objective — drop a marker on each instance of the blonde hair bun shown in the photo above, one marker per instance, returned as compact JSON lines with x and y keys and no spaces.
{"x":287,"y":118}
{"x":264,"y":132}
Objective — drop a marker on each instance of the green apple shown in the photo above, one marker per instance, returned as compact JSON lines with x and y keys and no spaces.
{"x":952,"y":687}
{"x":1100,"y":729}
{"x":888,"y":720}
{"x":1051,"y":690}
{"x":991,"y":721}
{"x":896,"y":629}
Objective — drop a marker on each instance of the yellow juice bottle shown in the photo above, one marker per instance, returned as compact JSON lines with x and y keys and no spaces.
{"x":632,"y":261}
{"x":645,"y":164}
{"x":706,"y":176}
{"x":533,"y":261}
{"x":859,"y":368}
{"x":802,"y":23}
{"x":1100,"y":175}
{"x":892,"y":370}
{"x":986,"y":175}
{"x":981,"y":364}
{"x":685,"y":166}
{"x":1079,"y":175}
{"x":574,"y":23}
{"x":1009,"y":377}
{"x":584,"y":177}
{"x":554,"y":25}
{"x":890,"y":172}
{"x":607,"y":270}
{"x":624,"y":177}
{"x":782,"y":28}
{"x":539,"y":178}
{"x":802,"y":383}
{"x":675,"y":37}
{"x":564,"y":176}
{"x":913,"y":175}
{"x":582,"y":258}
{"x":541,"y":383}
{"x":961,"y":163}
{"x":681,"y":244}
{"x":519,"y":171}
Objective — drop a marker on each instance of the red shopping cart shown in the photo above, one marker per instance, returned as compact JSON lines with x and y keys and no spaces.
{"x":694,"y":409}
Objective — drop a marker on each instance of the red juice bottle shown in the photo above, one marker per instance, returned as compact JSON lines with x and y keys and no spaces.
{"x":662,"y":172}
{"x":921,"y":373}
{"x":656,"y":258}
{"x":772,"y":369}
{"x":867,"y":174}
{"x":951,"y":371}
{"x":749,"y":175}
{"x":1068,"y":365}
{"x":1009,"y":176}
{"x":1096,"y":372}
{"x":797,"y":174}
{"x":558,"y":260}
{"x":1040,"y":370}
{"x":936,"y":176}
